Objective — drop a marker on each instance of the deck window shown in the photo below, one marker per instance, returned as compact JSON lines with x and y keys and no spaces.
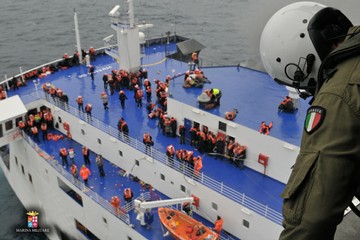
{"x":99,"y":140}
{"x":183,"y":188}
{"x":16,"y":161}
{"x":246,"y":223}
{"x":22,"y":169}
{"x":162,"y":176}
{"x":214,"y":206}
{"x":222,"y":126}
{"x":70,"y":192}
{"x":82,"y":131}
{"x":30,"y":177}
{"x":85,"y":231}
{"x":120,"y":153}
{"x":9,"y":125}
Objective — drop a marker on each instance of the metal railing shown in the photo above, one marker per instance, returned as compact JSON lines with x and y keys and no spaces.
{"x":156,"y":155}
{"x":81,"y":186}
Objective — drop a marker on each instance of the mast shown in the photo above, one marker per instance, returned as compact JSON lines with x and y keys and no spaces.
{"x":77,"y":34}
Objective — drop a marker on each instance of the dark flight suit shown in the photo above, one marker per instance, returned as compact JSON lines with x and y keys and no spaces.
{"x":327,"y":170}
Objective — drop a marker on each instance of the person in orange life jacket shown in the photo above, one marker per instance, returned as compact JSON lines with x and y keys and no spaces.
{"x":147,"y":140}
{"x":189,"y":157}
{"x":71,"y":154}
{"x":100,"y":163}
{"x":80,"y":103}
{"x":92,"y":54}
{"x":123,"y":128}
{"x":182,"y":134}
{"x":115,"y":202}
{"x":240,"y":155}
{"x":75,"y":58}
{"x":138,"y":97}
{"x":197,"y":165}
{"x":122,"y":98}
{"x":85,"y":173}
{"x":265,"y":129}
{"x":231,"y":115}
{"x":44,"y":130}
{"x":105,"y":99}
{"x":63,"y":154}
{"x":286,"y":105}
{"x":35,"y":133}
{"x":230,"y":148}
{"x":218,"y":224}
{"x":170,"y":152}
{"x":128,"y":196}
{"x":74,"y":171}
{"x":88,"y":109}
{"x":86,"y":154}
{"x":201,"y":139}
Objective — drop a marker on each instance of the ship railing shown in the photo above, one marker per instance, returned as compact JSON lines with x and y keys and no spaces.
{"x":153,"y":154}
{"x":122,"y":215}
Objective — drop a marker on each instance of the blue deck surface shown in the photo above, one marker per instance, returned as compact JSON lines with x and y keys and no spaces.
{"x":252,"y":92}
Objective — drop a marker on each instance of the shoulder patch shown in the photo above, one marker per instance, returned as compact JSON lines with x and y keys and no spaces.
{"x":314,"y":117}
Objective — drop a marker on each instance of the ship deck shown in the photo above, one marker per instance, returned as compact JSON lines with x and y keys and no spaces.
{"x":252,"y":92}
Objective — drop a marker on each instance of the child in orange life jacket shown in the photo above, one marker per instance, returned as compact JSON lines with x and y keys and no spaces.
{"x":138,"y":97}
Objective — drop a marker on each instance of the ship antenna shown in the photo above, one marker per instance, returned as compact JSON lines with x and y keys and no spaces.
{"x":77,"y":34}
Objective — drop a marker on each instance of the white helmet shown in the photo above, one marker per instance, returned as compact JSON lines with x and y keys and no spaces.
{"x":292,"y":42}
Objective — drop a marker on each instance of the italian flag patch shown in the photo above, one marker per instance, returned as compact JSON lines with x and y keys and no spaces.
{"x":314,"y":117}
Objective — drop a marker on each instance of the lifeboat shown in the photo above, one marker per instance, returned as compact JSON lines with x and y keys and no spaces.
{"x":184,"y":227}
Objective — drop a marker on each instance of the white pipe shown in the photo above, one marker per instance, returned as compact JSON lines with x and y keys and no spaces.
{"x":166,"y":202}
{"x":77,"y":34}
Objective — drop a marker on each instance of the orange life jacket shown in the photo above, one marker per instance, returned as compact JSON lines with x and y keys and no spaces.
{"x":115,"y":201}
{"x":85,"y":173}
{"x":170,"y":149}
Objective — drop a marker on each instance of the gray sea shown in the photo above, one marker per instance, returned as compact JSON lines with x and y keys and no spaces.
{"x":33,"y":32}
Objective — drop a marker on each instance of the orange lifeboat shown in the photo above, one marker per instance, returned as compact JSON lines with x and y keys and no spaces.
{"x":182,"y":226}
